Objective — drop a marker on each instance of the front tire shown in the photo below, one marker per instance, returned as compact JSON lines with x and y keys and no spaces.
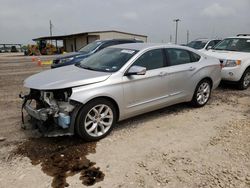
{"x":202,"y":93}
{"x":244,"y":82}
{"x":96,"y":119}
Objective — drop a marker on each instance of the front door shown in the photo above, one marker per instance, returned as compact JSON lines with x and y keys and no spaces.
{"x":142,"y":92}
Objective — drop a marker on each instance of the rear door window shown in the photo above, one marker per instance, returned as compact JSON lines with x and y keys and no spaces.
{"x":181,"y":56}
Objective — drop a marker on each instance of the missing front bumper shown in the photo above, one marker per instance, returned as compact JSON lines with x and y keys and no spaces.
{"x":50,"y":121}
{"x":41,"y":114}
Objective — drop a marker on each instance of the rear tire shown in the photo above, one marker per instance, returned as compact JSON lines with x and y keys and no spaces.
{"x":96,"y":119}
{"x":244,"y":82}
{"x":202,"y":93}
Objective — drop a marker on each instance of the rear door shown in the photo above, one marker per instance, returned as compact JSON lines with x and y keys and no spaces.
{"x":183,"y":64}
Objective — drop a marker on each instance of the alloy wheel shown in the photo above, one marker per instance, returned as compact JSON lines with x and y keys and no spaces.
{"x":98,"y":120}
{"x":246,"y":80}
{"x":203,"y":93}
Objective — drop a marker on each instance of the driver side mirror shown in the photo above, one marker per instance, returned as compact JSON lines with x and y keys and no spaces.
{"x":136,"y":70}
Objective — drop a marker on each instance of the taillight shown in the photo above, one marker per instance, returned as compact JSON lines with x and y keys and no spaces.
{"x":221,"y":63}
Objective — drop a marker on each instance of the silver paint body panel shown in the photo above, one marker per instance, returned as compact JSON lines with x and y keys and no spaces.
{"x":134,"y":94}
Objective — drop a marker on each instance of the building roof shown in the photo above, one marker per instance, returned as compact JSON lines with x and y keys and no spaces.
{"x":61,"y":37}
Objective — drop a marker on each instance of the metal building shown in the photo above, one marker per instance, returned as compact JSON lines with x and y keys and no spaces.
{"x":74,"y":42}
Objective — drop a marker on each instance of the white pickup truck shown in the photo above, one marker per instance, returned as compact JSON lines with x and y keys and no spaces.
{"x":234,"y":55}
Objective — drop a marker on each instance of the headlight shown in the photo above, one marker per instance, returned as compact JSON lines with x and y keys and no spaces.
{"x":66,"y":60}
{"x":231,"y":63}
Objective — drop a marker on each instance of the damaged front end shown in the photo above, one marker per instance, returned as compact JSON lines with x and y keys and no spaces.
{"x":51,"y":111}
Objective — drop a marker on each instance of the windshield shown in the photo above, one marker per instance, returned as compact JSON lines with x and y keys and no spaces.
{"x":90,"y":47}
{"x":197,"y":44}
{"x":107,"y":60}
{"x":234,"y":44}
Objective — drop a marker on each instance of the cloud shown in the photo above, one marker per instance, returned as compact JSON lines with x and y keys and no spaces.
{"x":19,"y":24}
{"x":130,"y":16}
{"x":216,"y":10}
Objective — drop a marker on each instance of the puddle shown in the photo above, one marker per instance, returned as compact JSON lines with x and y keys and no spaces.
{"x":62,"y":157}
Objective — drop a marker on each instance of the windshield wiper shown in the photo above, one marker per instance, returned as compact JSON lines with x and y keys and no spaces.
{"x":234,"y":50}
{"x":217,"y":49}
{"x":86,"y":67}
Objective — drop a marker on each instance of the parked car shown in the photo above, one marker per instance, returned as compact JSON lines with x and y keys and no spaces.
{"x":203,"y":44}
{"x":13,"y":49}
{"x":116,"y":83}
{"x":88,"y":50}
{"x":234,"y":55}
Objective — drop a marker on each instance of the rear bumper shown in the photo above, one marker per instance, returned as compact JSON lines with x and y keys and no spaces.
{"x":216,"y":83}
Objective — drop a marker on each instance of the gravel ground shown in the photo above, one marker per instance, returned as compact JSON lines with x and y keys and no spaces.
{"x":178,"y":146}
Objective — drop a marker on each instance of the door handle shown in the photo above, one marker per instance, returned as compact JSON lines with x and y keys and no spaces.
{"x":191,"y":68}
{"x":163,"y":74}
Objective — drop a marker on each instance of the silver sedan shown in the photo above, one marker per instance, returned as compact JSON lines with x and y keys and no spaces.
{"x":117,"y":83}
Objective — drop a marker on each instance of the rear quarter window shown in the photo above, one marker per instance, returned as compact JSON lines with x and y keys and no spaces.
{"x":181,"y":56}
{"x":194,"y":57}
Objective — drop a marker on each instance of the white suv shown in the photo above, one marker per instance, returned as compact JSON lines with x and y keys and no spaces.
{"x":203,"y":45}
{"x":234,"y":55}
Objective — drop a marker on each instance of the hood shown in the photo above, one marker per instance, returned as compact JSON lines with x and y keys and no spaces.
{"x":64,"y":77}
{"x":231,"y":55}
{"x":71,"y":54}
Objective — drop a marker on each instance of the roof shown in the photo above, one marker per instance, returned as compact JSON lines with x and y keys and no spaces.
{"x":149,"y":46}
{"x":241,"y":37}
{"x":205,"y":39}
{"x":61,"y":37}
{"x":141,"y":46}
{"x":201,"y":39}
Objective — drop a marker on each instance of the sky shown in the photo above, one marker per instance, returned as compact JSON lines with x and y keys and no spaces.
{"x":23,"y":20}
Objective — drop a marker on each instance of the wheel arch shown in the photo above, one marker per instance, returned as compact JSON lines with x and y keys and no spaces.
{"x":240,"y":82}
{"x":248,"y":67}
{"x":209,"y":79}
{"x":193,"y":100}
{"x":245,"y":66}
{"x":113,"y":101}
{"x":77,"y":128}
{"x":204,"y":78}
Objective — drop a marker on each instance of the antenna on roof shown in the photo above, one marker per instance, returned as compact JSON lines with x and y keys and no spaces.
{"x":187,"y":36}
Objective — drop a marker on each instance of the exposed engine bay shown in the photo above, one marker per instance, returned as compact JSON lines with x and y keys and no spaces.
{"x":50,"y":111}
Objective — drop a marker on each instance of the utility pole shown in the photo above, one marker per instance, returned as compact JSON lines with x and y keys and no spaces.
{"x":50,"y":28}
{"x":170,"y":38}
{"x":187,"y":36}
{"x":176,"y":29}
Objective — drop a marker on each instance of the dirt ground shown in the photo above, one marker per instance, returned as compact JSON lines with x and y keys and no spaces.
{"x":178,"y":146}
